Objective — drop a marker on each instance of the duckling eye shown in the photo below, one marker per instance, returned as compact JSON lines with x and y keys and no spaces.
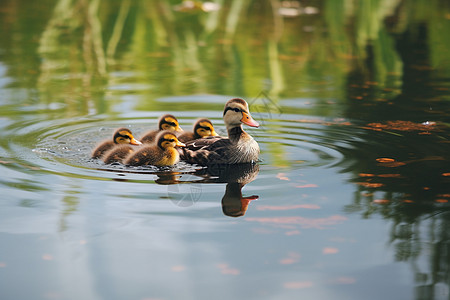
{"x":171,"y":140}
{"x":236,"y":109}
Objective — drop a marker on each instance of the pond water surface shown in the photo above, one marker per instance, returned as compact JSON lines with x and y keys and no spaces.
{"x":349,"y":201}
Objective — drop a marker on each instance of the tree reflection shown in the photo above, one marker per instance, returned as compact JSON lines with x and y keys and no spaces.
{"x":401,"y":167}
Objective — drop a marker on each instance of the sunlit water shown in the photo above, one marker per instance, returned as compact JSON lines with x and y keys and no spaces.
{"x":349,"y":199}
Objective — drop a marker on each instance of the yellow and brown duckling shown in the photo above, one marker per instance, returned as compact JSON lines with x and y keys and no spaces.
{"x":238,"y":148}
{"x":166,"y":122}
{"x":162,"y":153}
{"x":202,"y":128}
{"x":120,"y":136}
{"x":117,"y":153}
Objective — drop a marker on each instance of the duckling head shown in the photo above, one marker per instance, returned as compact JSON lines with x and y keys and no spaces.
{"x":204,"y":127}
{"x":124,"y":136}
{"x":167,"y":139}
{"x":236,"y":112}
{"x":169,"y":122}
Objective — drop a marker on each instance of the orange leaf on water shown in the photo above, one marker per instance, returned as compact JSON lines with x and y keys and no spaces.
{"x":309,"y":185}
{"x":330,"y":250}
{"x":298,"y":284}
{"x":381,"y":201}
{"x":370,"y":184}
{"x":385,"y":160}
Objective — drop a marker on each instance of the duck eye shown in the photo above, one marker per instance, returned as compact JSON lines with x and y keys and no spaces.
{"x":236,"y":109}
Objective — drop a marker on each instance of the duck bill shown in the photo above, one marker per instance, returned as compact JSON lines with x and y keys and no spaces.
{"x":180,"y":144}
{"x":248,"y":120}
{"x":135,"y":142}
{"x":214,"y":133}
{"x":178,"y":128}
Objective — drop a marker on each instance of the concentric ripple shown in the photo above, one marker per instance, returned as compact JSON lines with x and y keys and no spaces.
{"x":64,"y":146}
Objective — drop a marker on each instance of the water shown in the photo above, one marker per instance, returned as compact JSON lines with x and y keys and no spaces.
{"x":350,"y":199}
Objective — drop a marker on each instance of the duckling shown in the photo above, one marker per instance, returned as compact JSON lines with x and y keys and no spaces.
{"x":162,"y":153}
{"x":121,"y":136}
{"x":166,"y":122}
{"x":238,"y":147}
{"x":202,"y":128}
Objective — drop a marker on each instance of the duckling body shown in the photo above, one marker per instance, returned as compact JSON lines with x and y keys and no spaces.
{"x":202,"y":128}
{"x":121,"y":136}
{"x":117,"y":153}
{"x":166,"y":122}
{"x":162,"y":153}
{"x":239,"y":147}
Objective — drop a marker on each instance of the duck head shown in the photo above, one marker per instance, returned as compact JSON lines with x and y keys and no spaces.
{"x":204,"y":127}
{"x":169,"y":122}
{"x":167,"y":139}
{"x":236,"y":112}
{"x":124,"y":136}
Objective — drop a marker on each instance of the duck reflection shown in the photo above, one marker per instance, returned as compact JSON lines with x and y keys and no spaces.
{"x":233,"y":203}
{"x":235,"y":176}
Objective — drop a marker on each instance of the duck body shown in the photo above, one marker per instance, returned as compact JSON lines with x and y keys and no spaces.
{"x":202,"y":128}
{"x":166,"y":122}
{"x":120,"y":136}
{"x":238,"y":148}
{"x":161,"y":153}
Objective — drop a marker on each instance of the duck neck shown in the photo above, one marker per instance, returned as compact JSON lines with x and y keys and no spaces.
{"x":235,"y":133}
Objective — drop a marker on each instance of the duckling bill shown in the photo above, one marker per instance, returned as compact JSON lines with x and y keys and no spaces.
{"x":162,"y":153}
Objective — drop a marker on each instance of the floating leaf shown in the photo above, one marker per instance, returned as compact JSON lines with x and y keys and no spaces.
{"x":370,"y":184}
{"x":178,"y":268}
{"x":318,"y":223}
{"x":282,"y":176}
{"x":298,"y":284}
{"x":389,"y":162}
{"x":225,"y":269}
{"x":442,"y":200}
{"x":288,"y":207}
{"x":381,"y":201}
{"x":309,"y":185}
{"x":384,"y":160}
{"x":330,"y":250}
{"x":292,"y":258}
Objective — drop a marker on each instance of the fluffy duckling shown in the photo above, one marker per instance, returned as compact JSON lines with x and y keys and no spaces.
{"x":117,"y":153}
{"x":239,"y":147}
{"x":202,"y":128}
{"x":162,"y":153}
{"x":166,"y":122}
{"x":121,"y":136}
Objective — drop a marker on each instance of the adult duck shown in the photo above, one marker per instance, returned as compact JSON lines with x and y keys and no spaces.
{"x":238,"y":147}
